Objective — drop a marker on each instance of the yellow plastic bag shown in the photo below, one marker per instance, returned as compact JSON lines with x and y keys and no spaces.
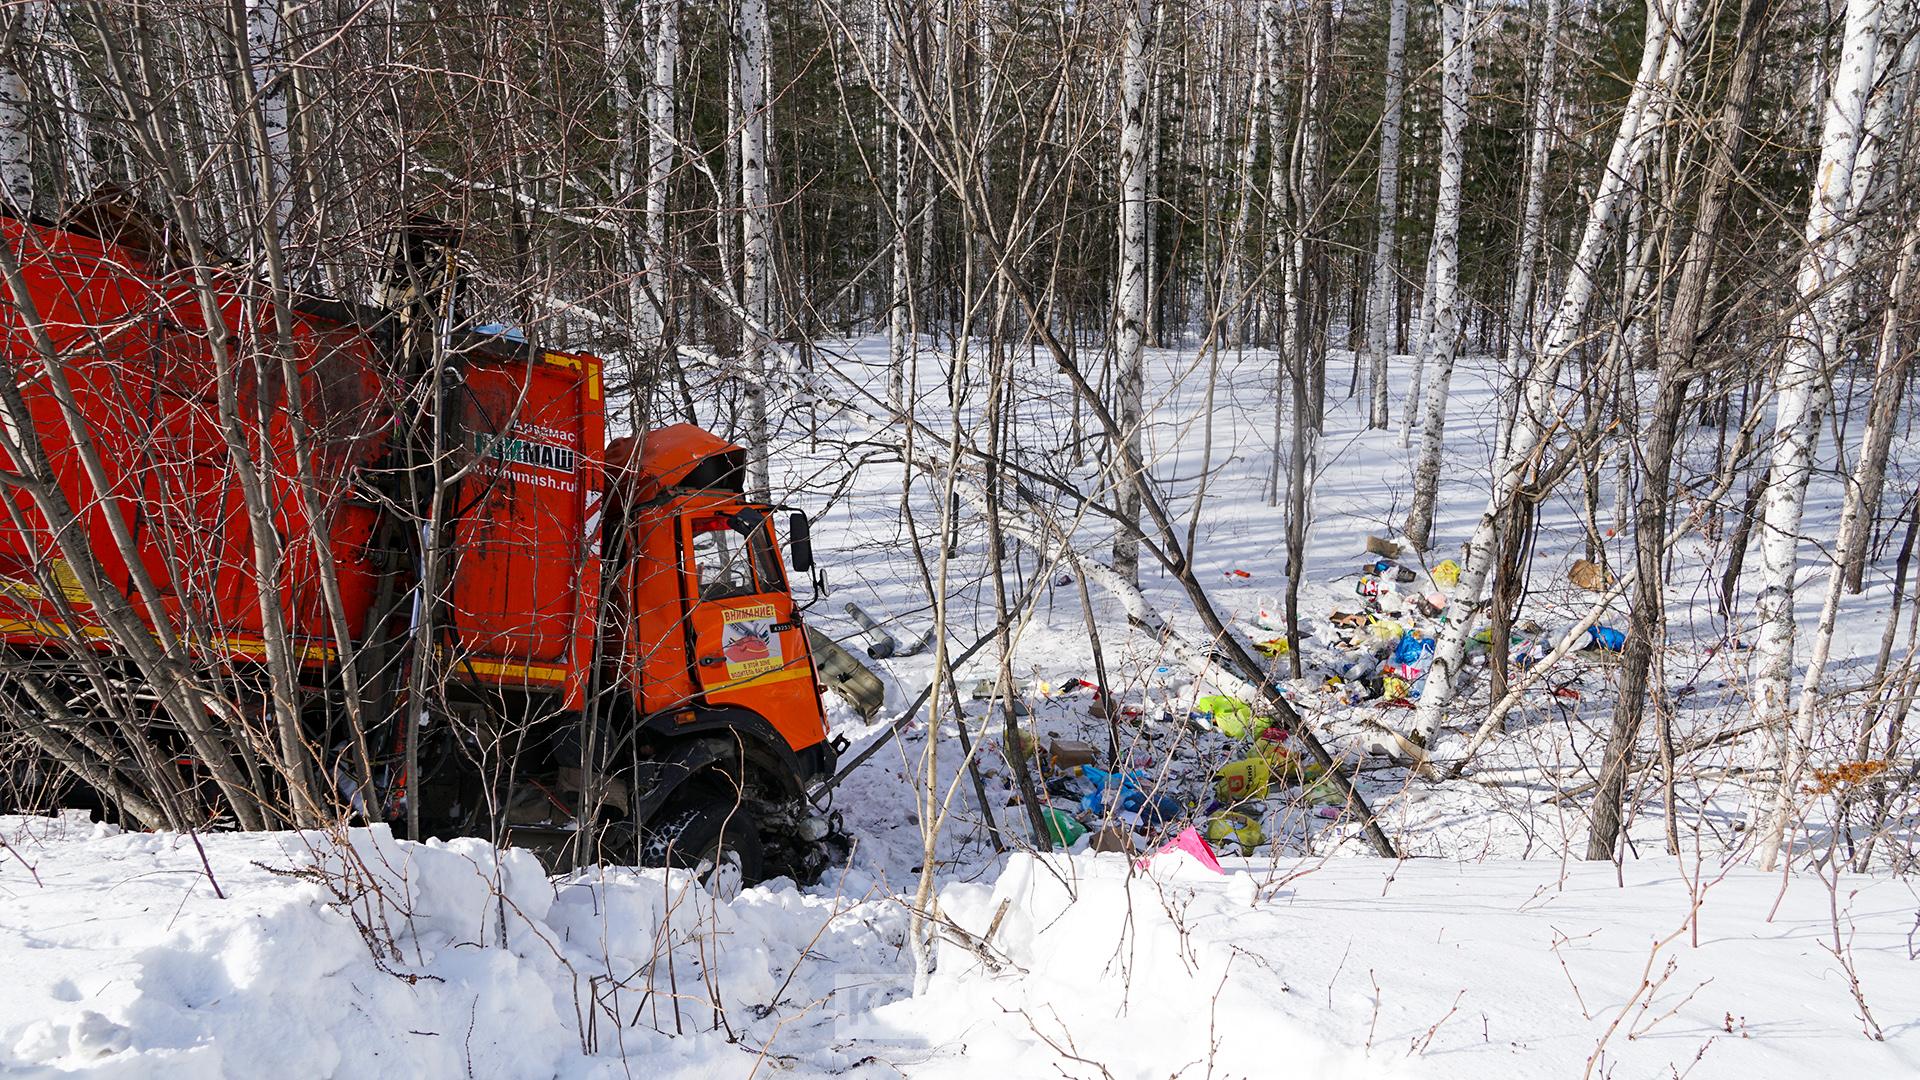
{"x":1286,"y":767}
{"x":1393,"y":687}
{"x":1239,"y":828}
{"x":1229,"y":716}
{"x":1275,"y":647}
{"x":1237,"y":781}
{"x":1447,"y":574}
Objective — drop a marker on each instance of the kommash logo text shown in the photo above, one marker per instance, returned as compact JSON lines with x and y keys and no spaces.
{"x":516,"y":451}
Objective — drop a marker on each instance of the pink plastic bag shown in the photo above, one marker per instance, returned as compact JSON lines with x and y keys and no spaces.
{"x":1191,"y":842}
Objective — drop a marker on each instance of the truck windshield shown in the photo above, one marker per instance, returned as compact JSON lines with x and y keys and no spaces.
{"x":729,"y":564}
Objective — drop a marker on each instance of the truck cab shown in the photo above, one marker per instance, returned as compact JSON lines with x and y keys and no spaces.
{"x":702,"y":637}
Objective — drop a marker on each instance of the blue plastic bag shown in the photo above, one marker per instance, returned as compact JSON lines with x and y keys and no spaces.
{"x":1412,"y":650}
{"x":1154,"y":810}
{"x":1606,"y":637}
{"x":1126,"y":784}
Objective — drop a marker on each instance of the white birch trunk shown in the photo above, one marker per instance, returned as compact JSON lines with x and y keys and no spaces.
{"x":1422,"y":328}
{"x":750,"y":82}
{"x":1234,"y":299}
{"x":1533,"y":213}
{"x":617,"y":27}
{"x":899,"y":312}
{"x":1382,"y":294}
{"x":1443,"y":335}
{"x":16,"y":141}
{"x":1280,"y":224}
{"x":1130,"y":299}
{"x":47,"y":27}
{"x":662,"y":147}
{"x":1800,"y":394}
{"x":1662,"y":67}
{"x":1273,"y":33}
{"x":265,"y":48}
{"x":1869,"y":476}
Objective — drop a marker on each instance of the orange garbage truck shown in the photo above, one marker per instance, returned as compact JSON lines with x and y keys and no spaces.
{"x":520,"y":629}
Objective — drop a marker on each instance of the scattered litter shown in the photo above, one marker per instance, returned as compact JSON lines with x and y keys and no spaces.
{"x":1238,"y":781}
{"x":1125,"y":792}
{"x":1238,"y":829}
{"x":1235,"y":573}
{"x":1065,"y":829}
{"x":1070,"y":753}
{"x":1228,"y":715}
{"x":1413,"y":648}
{"x":1446,"y":574}
{"x":1325,"y":792}
{"x":1605,"y":638}
{"x":1589,"y":576}
{"x":1191,"y":842}
{"x":1379,"y":546}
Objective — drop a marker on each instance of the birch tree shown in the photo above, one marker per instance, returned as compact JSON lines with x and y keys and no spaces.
{"x":1822,"y":287}
{"x":662,"y":149}
{"x":756,"y":251}
{"x":1533,"y":211}
{"x":1130,"y":298}
{"x":1892,"y":104}
{"x":16,"y":133}
{"x":630,"y":121}
{"x":901,"y":255}
{"x":265,"y":48}
{"x":1662,"y":66}
{"x":1443,"y":336}
{"x":1646,"y":631}
{"x":1383,"y":292}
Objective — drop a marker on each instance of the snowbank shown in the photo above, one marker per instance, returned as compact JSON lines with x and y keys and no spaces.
{"x":360,"y":956}
{"x":366,"y":957}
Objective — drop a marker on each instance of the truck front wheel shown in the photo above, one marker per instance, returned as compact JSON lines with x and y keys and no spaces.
{"x":712,"y":833}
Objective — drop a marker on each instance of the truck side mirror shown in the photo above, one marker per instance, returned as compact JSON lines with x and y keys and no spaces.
{"x":800,"y":543}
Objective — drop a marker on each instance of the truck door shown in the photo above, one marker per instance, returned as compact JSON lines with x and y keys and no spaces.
{"x":748,"y":649}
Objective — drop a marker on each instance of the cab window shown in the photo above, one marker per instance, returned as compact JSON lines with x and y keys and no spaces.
{"x":727,"y":563}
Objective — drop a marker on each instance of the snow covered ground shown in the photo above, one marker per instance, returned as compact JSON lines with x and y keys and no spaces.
{"x":1491,"y":954}
{"x":1219,"y":424}
{"x":364,"y":957}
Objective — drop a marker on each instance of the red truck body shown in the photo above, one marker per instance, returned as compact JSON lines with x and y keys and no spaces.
{"x":144,"y":382}
{"x":131,"y":422}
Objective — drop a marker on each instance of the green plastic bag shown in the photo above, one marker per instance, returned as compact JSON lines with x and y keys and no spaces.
{"x":1324,"y":792}
{"x":1063,"y":827}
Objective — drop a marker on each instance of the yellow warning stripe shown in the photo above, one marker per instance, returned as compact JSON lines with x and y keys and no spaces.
{"x":249,"y":645}
{"x":587,"y":367}
{"x":42,"y":628}
{"x":541,"y":672}
{"x":799,"y":671}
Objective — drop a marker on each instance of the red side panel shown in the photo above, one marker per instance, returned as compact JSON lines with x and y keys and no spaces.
{"x":146,"y":387}
{"x":144,"y":454}
{"x":526,"y":538}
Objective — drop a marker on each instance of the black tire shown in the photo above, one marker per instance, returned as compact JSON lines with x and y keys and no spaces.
{"x":706,"y":829}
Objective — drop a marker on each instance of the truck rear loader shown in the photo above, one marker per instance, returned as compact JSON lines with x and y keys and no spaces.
{"x":503,"y":623}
